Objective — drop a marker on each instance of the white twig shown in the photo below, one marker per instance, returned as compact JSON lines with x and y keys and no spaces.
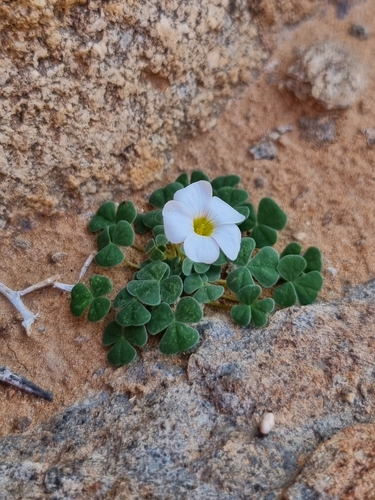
{"x":14,"y":298}
{"x":85,"y":266}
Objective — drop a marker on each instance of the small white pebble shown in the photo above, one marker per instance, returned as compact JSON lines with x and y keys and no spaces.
{"x":267,"y":423}
{"x":332,"y":271}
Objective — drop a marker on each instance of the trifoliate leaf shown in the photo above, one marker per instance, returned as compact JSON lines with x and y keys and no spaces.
{"x":122,"y":298}
{"x":208,"y":293}
{"x":103,"y":238}
{"x":133,"y":314}
{"x":81,"y":298}
{"x":123,"y":234}
{"x":122,"y":353}
{"x":171,"y":289}
{"x":157,"y":255}
{"x":160,"y":197}
{"x":232,"y":196}
{"x":248,"y":294}
{"x":313,"y":259}
{"x":109,"y":256}
{"x":308,"y":286}
{"x":177,"y":338}
{"x":270,"y":214}
{"x":260,"y":311}
{"x":153,"y":271}
{"x":99,"y":307}
{"x":241,"y":314}
{"x":239,"y":278}
{"x":264,"y":266}
{"x":264,"y":236}
{"x":213,"y":273}
{"x":225,"y":180}
{"x":201,"y":268}
{"x":192,"y":283}
{"x":136,"y":335}
{"x":246,"y":249}
{"x":100,"y":285}
{"x":291,"y":266}
{"x":161,"y":317}
{"x":285,"y":295}
{"x":292,"y":248}
{"x":105,"y":216}
{"x":147,"y":291}
{"x":126,"y":211}
{"x":188,"y":310}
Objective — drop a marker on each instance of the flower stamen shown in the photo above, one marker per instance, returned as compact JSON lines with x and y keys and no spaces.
{"x":203,"y":226}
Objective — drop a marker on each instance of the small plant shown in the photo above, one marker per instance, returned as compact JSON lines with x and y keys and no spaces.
{"x":207,"y":246}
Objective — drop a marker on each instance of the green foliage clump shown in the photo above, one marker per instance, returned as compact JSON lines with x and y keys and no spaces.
{"x":168,"y":292}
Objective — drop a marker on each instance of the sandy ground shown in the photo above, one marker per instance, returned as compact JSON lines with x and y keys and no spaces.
{"x":327,"y":190}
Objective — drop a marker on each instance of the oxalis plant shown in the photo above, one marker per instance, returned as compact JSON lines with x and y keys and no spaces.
{"x":207,"y":246}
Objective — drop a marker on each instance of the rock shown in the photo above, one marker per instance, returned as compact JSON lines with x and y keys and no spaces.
{"x":93,"y":94}
{"x":264,"y":151}
{"x":359,"y":31}
{"x":176,"y":427}
{"x":319,"y":129}
{"x":329,"y":74}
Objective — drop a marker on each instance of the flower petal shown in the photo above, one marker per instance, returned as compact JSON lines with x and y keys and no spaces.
{"x":195,"y":197}
{"x":219,"y":212}
{"x":178,"y":223}
{"x":201,"y":248}
{"x":228,"y":237}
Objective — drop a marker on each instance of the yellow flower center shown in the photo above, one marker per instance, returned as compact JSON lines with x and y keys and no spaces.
{"x":203,"y":226}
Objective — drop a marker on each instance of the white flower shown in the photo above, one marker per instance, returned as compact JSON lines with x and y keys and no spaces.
{"x":203,"y":223}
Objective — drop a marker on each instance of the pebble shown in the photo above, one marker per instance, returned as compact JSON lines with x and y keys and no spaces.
{"x":332,"y":271}
{"x":359,"y":31}
{"x":267,"y":423}
{"x":264,"y":151}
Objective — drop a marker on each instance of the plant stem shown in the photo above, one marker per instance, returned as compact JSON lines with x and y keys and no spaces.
{"x":222,"y":282}
{"x":219,"y":305}
{"x":132,"y":264}
{"x":139,"y":248}
{"x":229,"y":297}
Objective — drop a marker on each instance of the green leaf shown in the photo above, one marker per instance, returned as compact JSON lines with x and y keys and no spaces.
{"x":198,"y":175}
{"x":147,"y":291}
{"x":239,"y":278}
{"x":213,"y":273}
{"x":192,"y":283}
{"x":103,"y":238}
{"x":158,"y":230}
{"x":241,"y":314}
{"x":187,"y":266}
{"x":246,"y":249}
{"x":270,"y":214}
{"x":160,"y":197}
{"x":292,"y":248}
{"x":201,"y":268}
{"x":177,"y":338}
{"x":122,"y":298}
{"x":157,"y":255}
{"x":313,"y":259}
{"x":122,"y":353}
{"x":285,"y":295}
{"x":245,"y":211}
{"x":133,"y":314}
{"x":232,"y":196}
{"x":136,"y":335}
{"x":100,"y":285}
{"x":260,"y":311}
{"x":161,"y":239}
{"x":99,"y":307}
{"x":264,"y":236}
{"x":188,"y":310}
{"x":153,"y":218}
{"x":308,"y":286}
{"x":291,"y":266}
{"x":225,"y":180}
{"x":161,"y":317}
{"x":171,"y":289}
{"x":264,"y":266}
{"x":221,"y":260}
{"x":153,"y":271}
{"x":250,"y":221}
{"x":249,"y":294}
{"x":105,"y":216}
{"x":175,"y":266}
{"x":139,"y":226}
{"x":150,"y":246}
{"x":124,"y":234}
{"x":81,"y":298}
{"x":126,"y":211}
{"x":208,"y":293}
{"x":112,"y":333}
{"x":183,"y":179}
{"x":109,"y":256}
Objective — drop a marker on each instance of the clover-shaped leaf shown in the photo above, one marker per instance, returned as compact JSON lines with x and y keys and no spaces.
{"x":123,"y":234}
{"x":161,"y":317}
{"x":153,"y":218}
{"x":239,"y":278}
{"x":260,"y":311}
{"x":292,"y":248}
{"x":146,"y":291}
{"x":305,"y":289}
{"x":225,"y":181}
{"x":133,"y":314}
{"x":192,"y":283}
{"x":241,"y":314}
{"x":183,"y":179}
{"x":270,"y":218}
{"x":122,"y":352}
{"x":158,"y":255}
{"x":126,"y":211}
{"x":188,"y":310}
{"x":122,"y":298}
{"x":285,"y":295}
{"x":198,"y":175}
{"x":105,"y":216}
{"x":246,"y":249}
{"x":160,"y":197}
{"x":213,"y":273}
{"x":154,"y":271}
{"x":232,"y":196}
{"x":171,"y":289}
{"x":177,"y":338}
{"x":250,"y":221}
{"x":139,"y":226}
{"x":291,"y":266}
{"x":249,"y":294}
{"x":104,"y":238}
{"x":208,"y":293}
{"x":82,"y":297}
{"x":109,"y":256}
{"x":201,"y":268}
{"x":264,"y":266}
{"x":221,"y":260}
{"x":313,"y":258}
